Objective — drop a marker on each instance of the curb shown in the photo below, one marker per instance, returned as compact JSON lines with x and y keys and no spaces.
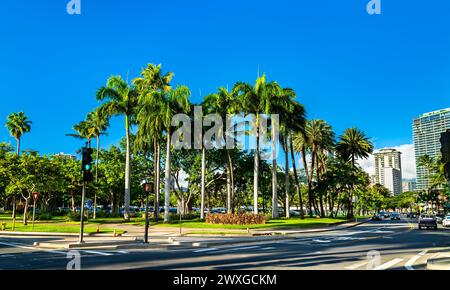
{"x":439,"y":262}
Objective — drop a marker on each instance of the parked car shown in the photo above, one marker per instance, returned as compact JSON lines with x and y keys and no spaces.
{"x":411,"y":215}
{"x":427,"y":221}
{"x":395,"y":216}
{"x":446,"y":221}
{"x":377,"y":217}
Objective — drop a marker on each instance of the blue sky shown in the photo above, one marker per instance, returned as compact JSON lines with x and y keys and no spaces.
{"x":350,"y":68}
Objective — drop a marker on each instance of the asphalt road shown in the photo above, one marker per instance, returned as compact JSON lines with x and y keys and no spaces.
{"x":385,"y":245}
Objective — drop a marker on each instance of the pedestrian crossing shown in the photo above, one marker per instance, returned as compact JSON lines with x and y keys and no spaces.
{"x":24,"y":248}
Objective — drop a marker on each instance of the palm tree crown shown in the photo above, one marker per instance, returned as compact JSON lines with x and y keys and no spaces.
{"x":18,"y":124}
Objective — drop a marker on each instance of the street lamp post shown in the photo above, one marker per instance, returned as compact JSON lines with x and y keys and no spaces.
{"x":147,"y":188}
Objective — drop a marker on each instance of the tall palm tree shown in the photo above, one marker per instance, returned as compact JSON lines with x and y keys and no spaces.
{"x":98,"y":123}
{"x":164,"y":106}
{"x":18,"y":124}
{"x":256,"y":100}
{"x":224,"y":102}
{"x":121,"y":99}
{"x":296,"y":125}
{"x":353,"y":144}
{"x":318,"y":136}
{"x":151,"y":86}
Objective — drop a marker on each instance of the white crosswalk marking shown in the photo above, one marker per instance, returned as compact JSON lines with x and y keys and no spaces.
{"x":357,"y":265}
{"x":389,"y":264}
{"x":410,"y":263}
{"x":97,"y":253}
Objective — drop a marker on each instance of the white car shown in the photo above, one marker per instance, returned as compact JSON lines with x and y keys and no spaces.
{"x":446,"y":221}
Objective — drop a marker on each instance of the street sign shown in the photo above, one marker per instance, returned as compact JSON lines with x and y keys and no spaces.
{"x":35,"y":196}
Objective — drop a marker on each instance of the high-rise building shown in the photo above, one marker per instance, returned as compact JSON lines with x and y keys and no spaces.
{"x":388,"y":170}
{"x":427,"y":131}
{"x":409,"y":185}
{"x":392,"y":180}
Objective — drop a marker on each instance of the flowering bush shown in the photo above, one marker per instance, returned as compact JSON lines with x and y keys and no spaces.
{"x":235,"y":219}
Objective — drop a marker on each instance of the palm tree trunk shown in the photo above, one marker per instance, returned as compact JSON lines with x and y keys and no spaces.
{"x":274,"y":177}
{"x":274,"y":189}
{"x":297,"y":181}
{"x":228,"y":188}
{"x":305,"y":166}
{"x":126,"y":214}
{"x":158,"y":177}
{"x":18,"y":147}
{"x":96,"y":176}
{"x":155,"y":179}
{"x":202,"y":204}
{"x":230,"y":166}
{"x":286,"y":159}
{"x":256,"y":171}
{"x":167,"y":180}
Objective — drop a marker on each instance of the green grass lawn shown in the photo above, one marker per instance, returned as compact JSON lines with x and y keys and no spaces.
{"x":293,"y":223}
{"x":55,"y":226}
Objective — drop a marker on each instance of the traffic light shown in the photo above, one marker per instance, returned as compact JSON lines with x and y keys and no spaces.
{"x":86,"y":164}
{"x":445,"y":151}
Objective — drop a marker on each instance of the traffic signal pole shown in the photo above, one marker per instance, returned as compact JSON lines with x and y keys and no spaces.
{"x":82,"y":214}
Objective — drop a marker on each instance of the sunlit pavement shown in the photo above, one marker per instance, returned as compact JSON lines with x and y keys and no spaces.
{"x":385,"y":245}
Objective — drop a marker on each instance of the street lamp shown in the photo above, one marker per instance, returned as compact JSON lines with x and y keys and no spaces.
{"x":147,"y":185}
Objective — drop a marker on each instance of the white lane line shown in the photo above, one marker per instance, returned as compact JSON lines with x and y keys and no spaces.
{"x":6,"y":256}
{"x":268,"y":248}
{"x":389,"y":264}
{"x":13,"y":245}
{"x":357,"y":265}
{"x":410,"y":263}
{"x":244,"y":248}
{"x":321,"y":241}
{"x":205,"y":250}
{"x":97,"y":253}
{"x":122,"y":252}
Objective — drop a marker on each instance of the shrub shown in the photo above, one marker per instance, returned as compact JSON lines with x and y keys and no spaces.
{"x":73,"y":217}
{"x":235,"y":219}
{"x":188,"y":216}
{"x":46,"y":216}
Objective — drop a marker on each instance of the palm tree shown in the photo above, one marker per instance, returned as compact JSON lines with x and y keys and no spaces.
{"x":296,"y":125}
{"x":121,"y":100}
{"x":163,"y":106}
{"x":98,"y":124}
{"x":353,"y":144}
{"x":18,"y":124}
{"x":318,"y":136}
{"x":151,"y":85}
{"x":224,"y":102}
{"x":255,"y":100}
